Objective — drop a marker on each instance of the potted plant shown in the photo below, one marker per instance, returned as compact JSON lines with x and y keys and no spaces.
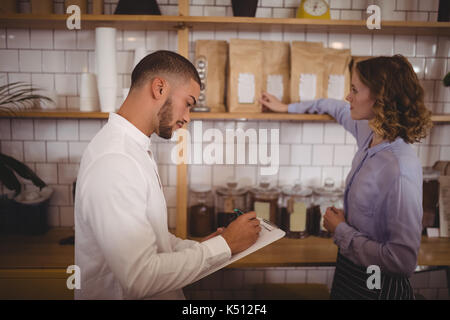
{"x":446,"y":80}
{"x":21,"y":211}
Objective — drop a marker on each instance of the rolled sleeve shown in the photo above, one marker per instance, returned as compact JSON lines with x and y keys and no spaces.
{"x":343,"y":235}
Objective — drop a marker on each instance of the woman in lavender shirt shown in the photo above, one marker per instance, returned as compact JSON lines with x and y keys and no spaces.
{"x":381,"y":222}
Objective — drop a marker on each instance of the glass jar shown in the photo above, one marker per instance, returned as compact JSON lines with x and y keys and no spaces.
{"x":200,"y":211}
{"x":325,"y":197}
{"x":264,"y":201}
{"x":296,"y":210}
{"x":227,"y":199}
{"x":430,"y":198}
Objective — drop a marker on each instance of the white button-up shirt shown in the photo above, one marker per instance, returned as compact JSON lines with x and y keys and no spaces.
{"x":122,"y":244}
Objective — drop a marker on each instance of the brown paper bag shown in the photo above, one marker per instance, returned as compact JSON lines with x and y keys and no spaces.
{"x":83,"y":4}
{"x":336,"y":84}
{"x":276,"y":69}
{"x":307,"y":71}
{"x":97,"y":7}
{"x":216,"y":53}
{"x":8,"y":6}
{"x":245,"y":75}
{"x":41,"y":6}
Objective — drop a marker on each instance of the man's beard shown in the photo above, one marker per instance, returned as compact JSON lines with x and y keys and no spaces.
{"x":165,"y":118}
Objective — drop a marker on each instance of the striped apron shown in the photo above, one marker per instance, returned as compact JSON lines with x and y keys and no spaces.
{"x":350,"y":283}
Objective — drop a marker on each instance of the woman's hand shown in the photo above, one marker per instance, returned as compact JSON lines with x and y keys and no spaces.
{"x":270,"y":102}
{"x":219,"y":231}
{"x":333,"y":217}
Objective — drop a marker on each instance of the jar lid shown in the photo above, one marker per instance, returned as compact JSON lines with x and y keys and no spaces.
{"x":430,"y":174}
{"x":329,"y":189}
{"x":297,"y":190}
{"x":231,"y":189}
{"x":263,"y":190}
{"x":200,"y":188}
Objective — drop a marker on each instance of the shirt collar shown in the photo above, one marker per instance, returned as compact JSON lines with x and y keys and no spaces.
{"x":130,"y":130}
{"x":379,"y":147}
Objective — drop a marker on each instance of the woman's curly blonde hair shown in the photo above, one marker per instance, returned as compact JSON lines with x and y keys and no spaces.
{"x":399,"y":98}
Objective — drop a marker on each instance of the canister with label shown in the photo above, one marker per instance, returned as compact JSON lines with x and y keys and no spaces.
{"x":296,"y":210}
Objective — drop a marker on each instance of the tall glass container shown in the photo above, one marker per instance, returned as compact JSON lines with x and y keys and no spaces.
{"x":201,"y":211}
{"x":296,"y":210}
{"x":227,"y":199}
{"x":325,"y":197}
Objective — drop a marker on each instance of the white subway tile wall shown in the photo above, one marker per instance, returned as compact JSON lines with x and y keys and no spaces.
{"x":311,"y":152}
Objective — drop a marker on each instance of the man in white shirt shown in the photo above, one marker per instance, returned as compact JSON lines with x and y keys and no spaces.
{"x":122,"y":243}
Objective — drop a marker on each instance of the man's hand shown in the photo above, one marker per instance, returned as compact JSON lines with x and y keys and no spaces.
{"x":242,"y":232}
{"x":214,"y":234}
{"x":333,"y":217}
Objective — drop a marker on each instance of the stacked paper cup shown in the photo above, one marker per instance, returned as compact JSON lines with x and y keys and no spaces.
{"x":106,"y":67}
{"x":88,"y":92}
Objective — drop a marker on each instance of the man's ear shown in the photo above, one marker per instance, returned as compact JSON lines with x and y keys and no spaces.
{"x":158,"y":88}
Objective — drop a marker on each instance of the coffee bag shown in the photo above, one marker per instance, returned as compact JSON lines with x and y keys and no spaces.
{"x":336,"y":84}
{"x":216,"y":54}
{"x":276,"y":69}
{"x":307,"y":71}
{"x":245,"y":76}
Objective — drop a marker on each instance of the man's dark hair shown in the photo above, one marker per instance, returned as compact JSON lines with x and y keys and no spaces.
{"x":163,"y":62}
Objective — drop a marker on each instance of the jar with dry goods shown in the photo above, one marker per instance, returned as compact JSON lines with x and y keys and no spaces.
{"x":296,"y":210}
{"x":325,"y":197}
{"x":264,"y":201}
{"x":200,"y":211}
{"x":430,"y":201}
{"x":229,"y":198}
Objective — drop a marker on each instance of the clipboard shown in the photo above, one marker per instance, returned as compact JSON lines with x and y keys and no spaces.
{"x":269,"y":233}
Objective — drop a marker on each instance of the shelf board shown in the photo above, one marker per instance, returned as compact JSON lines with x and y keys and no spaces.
{"x":338,"y":26}
{"x":77,"y":114}
{"x":89,"y":21}
{"x":124,"y":22}
{"x":315,"y":251}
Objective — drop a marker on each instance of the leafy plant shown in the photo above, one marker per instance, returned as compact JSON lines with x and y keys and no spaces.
{"x":9,"y":165}
{"x":18,"y":95}
{"x":447,"y":80}
{"x":13,"y":97}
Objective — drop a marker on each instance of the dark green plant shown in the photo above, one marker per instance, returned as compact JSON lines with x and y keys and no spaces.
{"x":9,"y":165}
{"x":447,"y":80}
{"x":15,"y":97}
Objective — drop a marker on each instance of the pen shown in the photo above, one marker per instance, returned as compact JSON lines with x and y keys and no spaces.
{"x":239,"y":212}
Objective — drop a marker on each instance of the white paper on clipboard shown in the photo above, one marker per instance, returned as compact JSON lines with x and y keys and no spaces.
{"x":269,"y":233}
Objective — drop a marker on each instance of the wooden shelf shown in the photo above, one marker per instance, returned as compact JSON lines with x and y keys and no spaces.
{"x":314,"y":251}
{"x":18,"y":251}
{"x":43,"y":251}
{"x":127,"y":22}
{"x":268,"y":116}
{"x":89,"y":21}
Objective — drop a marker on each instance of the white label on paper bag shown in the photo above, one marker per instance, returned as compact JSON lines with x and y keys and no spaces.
{"x":336,"y":86}
{"x":297,"y":222}
{"x":275,"y":85}
{"x":262,"y":210}
{"x":246,"y":88}
{"x":323,"y":210}
{"x":307,"y":86}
